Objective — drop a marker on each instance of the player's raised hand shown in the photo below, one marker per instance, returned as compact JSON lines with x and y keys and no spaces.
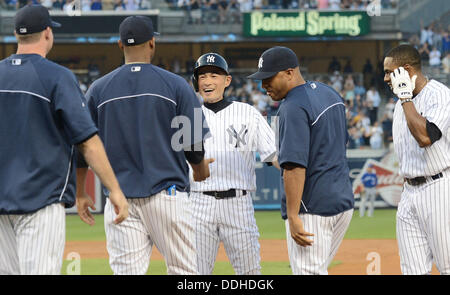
{"x":120,"y":204}
{"x":201,"y":170}
{"x":84,"y":202}
{"x":402,"y":85}
{"x":298,"y":233}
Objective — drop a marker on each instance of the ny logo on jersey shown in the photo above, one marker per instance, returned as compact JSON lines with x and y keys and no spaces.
{"x":238,"y":137}
{"x":210,"y":58}
{"x":260,"y":62}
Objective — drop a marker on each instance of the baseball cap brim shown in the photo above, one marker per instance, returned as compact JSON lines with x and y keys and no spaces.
{"x":261,"y":75}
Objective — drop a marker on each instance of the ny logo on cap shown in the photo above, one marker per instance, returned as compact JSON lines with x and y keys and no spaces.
{"x":23,"y":30}
{"x":260,"y":63}
{"x":130,"y":40}
{"x":210,"y":58}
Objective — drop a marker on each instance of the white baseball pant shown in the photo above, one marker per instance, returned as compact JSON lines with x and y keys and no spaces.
{"x":161,"y":220}
{"x":423,"y":227}
{"x":33,"y":244}
{"x":232,"y":221}
{"x":328,"y":233}
{"x":369,"y":196}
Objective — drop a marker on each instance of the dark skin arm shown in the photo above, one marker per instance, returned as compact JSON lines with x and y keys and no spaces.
{"x":294,"y":181}
{"x":417,"y":124}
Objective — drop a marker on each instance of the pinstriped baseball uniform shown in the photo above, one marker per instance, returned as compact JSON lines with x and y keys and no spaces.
{"x":135,"y":118}
{"x":238,"y":131}
{"x":423,"y":228}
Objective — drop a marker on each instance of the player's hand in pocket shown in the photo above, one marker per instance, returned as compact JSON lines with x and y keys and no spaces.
{"x":298,"y":233}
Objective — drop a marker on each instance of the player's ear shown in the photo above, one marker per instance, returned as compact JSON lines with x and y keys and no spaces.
{"x":410,"y":69}
{"x":228,"y":79}
{"x":151,"y":43}
{"x":120,"y":44}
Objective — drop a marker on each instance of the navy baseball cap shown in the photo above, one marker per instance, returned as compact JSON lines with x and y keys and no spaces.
{"x":33,"y":19}
{"x":135,"y":30}
{"x":274,"y":60}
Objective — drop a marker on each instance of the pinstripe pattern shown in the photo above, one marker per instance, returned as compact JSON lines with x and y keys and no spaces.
{"x":238,"y":132}
{"x":161,"y":220}
{"x":231,"y":221}
{"x":328,"y":234}
{"x":33,"y":243}
{"x":433,"y":103}
{"x":423,"y":227}
{"x":234,"y":167}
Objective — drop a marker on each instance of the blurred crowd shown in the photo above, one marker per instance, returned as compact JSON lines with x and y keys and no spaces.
{"x":229,"y":11}
{"x":83,"y":5}
{"x":433,"y":44}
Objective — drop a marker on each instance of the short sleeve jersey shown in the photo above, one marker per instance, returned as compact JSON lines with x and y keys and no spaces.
{"x":313,"y":134}
{"x":43,"y":114}
{"x":146,"y":116}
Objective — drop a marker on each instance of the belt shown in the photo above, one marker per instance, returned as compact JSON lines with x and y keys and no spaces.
{"x":224,"y":194}
{"x":422,"y":179}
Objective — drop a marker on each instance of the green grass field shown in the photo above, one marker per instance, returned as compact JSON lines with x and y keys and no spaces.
{"x":270,"y":224}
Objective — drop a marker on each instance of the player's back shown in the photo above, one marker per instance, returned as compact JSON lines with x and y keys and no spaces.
{"x":327,"y":188}
{"x":36,"y":139}
{"x":134,"y":108}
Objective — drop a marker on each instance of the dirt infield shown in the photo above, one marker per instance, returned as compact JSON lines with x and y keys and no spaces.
{"x":352,"y":255}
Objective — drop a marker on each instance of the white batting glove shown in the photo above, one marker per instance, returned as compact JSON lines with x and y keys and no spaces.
{"x":403,"y":86}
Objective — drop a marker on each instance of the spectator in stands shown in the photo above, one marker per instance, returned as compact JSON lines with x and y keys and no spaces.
{"x":22,"y":3}
{"x":260,"y":101}
{"x":349,"y":90}
{"x":108,"y":4}
{"x":386,"y":124}
{"x":131,"y":5}
{"x":47,"y":4}
{"x":85,"y":5}
{"x":435,"y":57}
{"x":234,"y":11}
{"x":322,"y":4}
{"x":446,"y":63}
{"x":355,"y":138}
{"x":437,"y":38}
{"x":223,"y":10}
{"x":96,"y":5}
{"x":389,"y":108}
{"x":373,"y":101}
{"x":426,"y":34}
{"x":348,"y":67}
{"x":57,"y":4}
{"x":245,"y":5}
{"x":424,"y":52}
{"x":119,"y":5}
{"x":445,"y":42}
{"x":359,"y":89}
{"x":336,"y":81}
{"x":334,"y":65}
{"x":376,"y":136}
{"x":334,"y":4}
{"x":368,"y":73}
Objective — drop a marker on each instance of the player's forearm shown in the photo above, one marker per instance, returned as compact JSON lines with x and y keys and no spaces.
{"x":417,"y":124}
{"x":95,"y":155}
{"x":294,"y":181}
{"x":81,"y":181}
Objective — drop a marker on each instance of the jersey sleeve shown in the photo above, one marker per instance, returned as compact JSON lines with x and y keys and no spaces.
{"x":438,"y":110}
{"x":265,"y":140}
{"x":71,"y":106}
{"x":188,"y":107}
{"x":294,"y":135}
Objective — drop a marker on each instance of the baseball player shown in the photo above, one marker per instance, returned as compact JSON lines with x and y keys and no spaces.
{"x":370,"y":181}
{"x":318,"y":200}
{"x":223,"y":204}
{"x":421,"y":141}
{"x":43,"y":119}
{"x":138,"y":109}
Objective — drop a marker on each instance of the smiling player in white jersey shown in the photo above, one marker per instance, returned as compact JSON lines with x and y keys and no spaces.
{"x":223,"y":208}
{"x":421,"y":141}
